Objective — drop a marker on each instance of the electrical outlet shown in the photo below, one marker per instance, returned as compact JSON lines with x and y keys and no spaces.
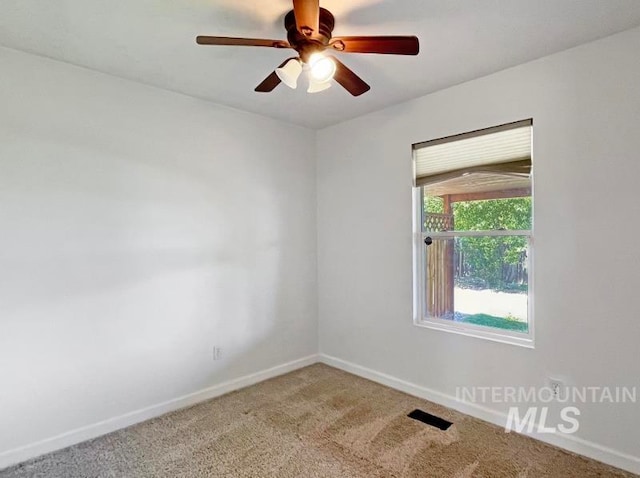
{"x":557,"y":386}
{"x":217,"y":352}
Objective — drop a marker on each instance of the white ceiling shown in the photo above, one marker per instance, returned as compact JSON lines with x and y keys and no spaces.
{"x":153,"y":42}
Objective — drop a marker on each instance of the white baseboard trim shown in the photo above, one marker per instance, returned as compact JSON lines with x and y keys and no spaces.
{"x":18,"y":455}
{"x":72,"y":437}
{"x":567,"y":442}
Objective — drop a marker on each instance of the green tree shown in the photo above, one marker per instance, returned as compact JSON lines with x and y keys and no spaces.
{"x":433,"y":204}
{"x":493,"y":214}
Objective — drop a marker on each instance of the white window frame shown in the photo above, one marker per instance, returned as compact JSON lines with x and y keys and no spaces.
{"x":419,"y":282}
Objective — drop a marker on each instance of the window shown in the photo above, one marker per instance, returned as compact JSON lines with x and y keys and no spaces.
{"x":472,"y":233}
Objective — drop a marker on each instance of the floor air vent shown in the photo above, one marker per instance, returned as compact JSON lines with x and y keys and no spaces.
{"x":429,"y":419}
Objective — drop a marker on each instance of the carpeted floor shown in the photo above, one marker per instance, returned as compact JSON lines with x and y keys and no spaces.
{"x":314,"y":422}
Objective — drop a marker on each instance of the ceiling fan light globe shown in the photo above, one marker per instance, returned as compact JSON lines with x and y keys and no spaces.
{"x":317,"y":86}
{"x":321,"y":67}
{"x":290,"y":73}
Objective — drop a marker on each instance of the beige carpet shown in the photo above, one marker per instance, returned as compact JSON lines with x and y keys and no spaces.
{"x":314,"y":422}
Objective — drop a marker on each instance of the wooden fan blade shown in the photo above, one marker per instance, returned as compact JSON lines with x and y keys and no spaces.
{"x":307,"y":14}
{"x":349,"y":80}
{"x":231,"y":41}
{"x":389,"y":45}
{"x":271,"y":81}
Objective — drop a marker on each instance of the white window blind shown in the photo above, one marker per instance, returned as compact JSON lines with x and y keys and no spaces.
{"x":502,"y":149}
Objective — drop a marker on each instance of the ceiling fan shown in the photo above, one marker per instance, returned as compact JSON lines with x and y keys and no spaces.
{"x":309,"y":30}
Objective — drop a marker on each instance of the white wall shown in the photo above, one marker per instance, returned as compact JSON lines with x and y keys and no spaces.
{"x":585,"y":104}
{"x":138,"y":229}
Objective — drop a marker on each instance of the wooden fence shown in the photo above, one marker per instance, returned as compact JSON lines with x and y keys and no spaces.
{"x":440,"y":268}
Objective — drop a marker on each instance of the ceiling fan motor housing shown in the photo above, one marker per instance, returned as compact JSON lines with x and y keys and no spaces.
{"x":305,"y":44}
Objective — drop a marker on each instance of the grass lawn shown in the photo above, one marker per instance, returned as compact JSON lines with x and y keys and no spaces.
{"x":496,"y":322}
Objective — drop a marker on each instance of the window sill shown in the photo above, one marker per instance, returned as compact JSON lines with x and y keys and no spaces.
{"x":470,"y":330}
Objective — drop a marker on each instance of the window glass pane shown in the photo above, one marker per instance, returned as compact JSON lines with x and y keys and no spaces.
{"x":481,"y":280}
{"x":440,"y":214}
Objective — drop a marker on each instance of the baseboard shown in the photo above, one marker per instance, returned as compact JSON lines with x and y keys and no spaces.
{"x":567,"y":442}
{"x":18,"y":455}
